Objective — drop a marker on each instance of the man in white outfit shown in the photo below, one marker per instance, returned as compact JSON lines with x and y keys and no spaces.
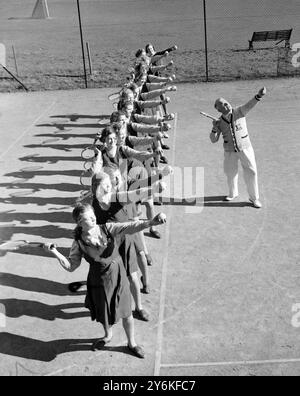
{"x":237,"y":145}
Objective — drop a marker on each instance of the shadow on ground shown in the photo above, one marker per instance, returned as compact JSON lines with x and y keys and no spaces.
{"x":46,"y":351}
{"x":15,"y":308}
{"x":37,"y":285}
{"x":213,"y":201}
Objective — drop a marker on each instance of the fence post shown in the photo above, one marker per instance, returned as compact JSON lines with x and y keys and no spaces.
{"x":82,"y":45}
{"x":89,"y":58}
{"x":2,"y":316}
{"x":205,"y":35}
{"x":15,"y":59}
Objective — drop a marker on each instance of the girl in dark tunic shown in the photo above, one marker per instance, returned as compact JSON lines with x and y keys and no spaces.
{"x":108,"y":296}
{"x":119,"y":206}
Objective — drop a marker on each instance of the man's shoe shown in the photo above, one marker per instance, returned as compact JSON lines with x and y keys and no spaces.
{"x":256,"y":203}
{"x":229,"y":199}
{"x":165,"y":147}
{"x":137,"y":351}
{"x":156,"y":234}
{"x":142,"y":315}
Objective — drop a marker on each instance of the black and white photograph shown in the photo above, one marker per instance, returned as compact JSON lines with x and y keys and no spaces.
{"x":149,"y":186}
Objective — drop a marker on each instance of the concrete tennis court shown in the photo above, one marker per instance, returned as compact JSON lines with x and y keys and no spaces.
{"x":226,"y":276}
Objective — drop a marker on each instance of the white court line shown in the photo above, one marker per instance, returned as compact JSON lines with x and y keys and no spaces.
{"x":27,"y":129}
{"x":237,"y":363}
{"x":162,"y":300}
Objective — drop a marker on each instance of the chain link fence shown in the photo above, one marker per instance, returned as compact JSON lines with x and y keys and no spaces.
{"x":46,"y":54}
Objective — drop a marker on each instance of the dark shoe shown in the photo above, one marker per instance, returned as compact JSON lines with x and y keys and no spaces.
{"x":155,"y":234}
{"x":164,"y":160}
{"x":149,"y":260}
{"x":99,"y":344}
{"x":137,"y":351}
{"x":142,"y":315}
{"x":165,"y":147}
{"x":145,"y":290}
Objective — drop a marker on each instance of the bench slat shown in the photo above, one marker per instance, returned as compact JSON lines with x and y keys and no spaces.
{"x":271,"y":35}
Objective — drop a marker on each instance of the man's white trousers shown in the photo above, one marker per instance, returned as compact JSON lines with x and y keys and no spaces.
{"x":247,"y":159}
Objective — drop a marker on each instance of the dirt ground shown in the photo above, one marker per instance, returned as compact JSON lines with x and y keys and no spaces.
{"x":226,"y":276}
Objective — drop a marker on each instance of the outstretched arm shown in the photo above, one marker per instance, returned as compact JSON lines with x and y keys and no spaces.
{"x":141,"y":141}
{"x":149,"y":181}
{"x":158,"y":92}
{"x":253,"y":102}
{"x":146,"y":104}
{"x":173,"y":48}
{"x":147,"y":119}
{"x":138,"y":194}
{"x":119,"y":229}
{"x":158,"y":68}
{"x":150,"y":129}
{"x":138,"y":155}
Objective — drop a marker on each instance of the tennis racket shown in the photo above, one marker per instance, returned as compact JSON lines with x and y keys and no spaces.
{"x":84,"y":195}
{"x":88,"y":153}
{"x":114,"y":96}
{"x":86,"y":178}
{"x":87,"y":165}
{"x":15,"y":245}
{"x":208,"y":116}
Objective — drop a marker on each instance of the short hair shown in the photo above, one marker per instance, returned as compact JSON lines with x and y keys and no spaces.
{"x":107,"y":132}
{"x":115,"y":116}
{"x":218,"y":101}
{"x":79,"y":210}
{"x":117,"y":126}
{"x":138,"y":53}
{"x":133,"y":86}
{"x":148,"y":45}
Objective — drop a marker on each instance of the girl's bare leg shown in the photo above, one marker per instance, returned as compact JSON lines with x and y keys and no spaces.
{"x":143,"y":266}
{"x":136,"y":294}
{"x":104,"y":340}
{"x":135,"y":290}
{"x":150,"y":216}
{"x":128,"y":325}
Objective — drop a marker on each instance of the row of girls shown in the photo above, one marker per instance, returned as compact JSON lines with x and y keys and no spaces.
{"x":127,"y":171}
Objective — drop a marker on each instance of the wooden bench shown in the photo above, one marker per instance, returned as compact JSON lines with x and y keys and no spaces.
{"x":275,"y":35}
